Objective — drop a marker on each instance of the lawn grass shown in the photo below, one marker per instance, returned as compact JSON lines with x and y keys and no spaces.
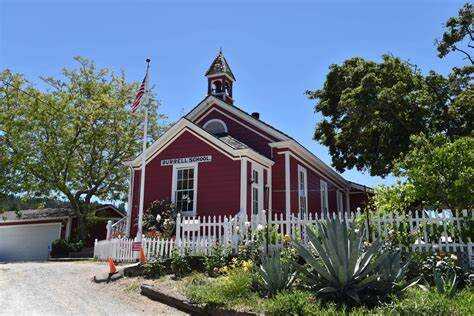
{"x":234,"y":292}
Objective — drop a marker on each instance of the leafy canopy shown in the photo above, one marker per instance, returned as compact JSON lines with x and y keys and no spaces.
{"x":440,"y":171}
{"x":459,"y":30}
{"x":370,"y":109}
{"x":70,"y":141}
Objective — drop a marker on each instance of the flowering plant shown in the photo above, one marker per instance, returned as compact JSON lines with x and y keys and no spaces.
{"x":159,"y":219}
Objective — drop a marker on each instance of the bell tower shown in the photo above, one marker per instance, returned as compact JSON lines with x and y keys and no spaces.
{"x":220,"y":79}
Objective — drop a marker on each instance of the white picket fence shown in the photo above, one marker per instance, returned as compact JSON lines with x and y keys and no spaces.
{"x":198,"y":235}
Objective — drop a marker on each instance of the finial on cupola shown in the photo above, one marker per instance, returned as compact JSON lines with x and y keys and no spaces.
{"x":220,"y":79}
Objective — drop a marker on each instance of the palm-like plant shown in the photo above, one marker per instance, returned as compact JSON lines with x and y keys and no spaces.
{"x":275,"y":275}
{"x":445,"y":284}
{"x":343,"y":266}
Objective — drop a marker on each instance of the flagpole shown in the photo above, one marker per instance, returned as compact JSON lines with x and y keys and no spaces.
{"x":143,"y":165}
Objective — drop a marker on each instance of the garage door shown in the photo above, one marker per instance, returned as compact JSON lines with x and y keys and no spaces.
{"x":27,"y":242}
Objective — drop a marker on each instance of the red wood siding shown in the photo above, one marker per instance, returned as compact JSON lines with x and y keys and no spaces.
{"x":358,"y":200}
{"x":278,"y":183}
{"x":246,"y":134}
{"x":218,"y":181}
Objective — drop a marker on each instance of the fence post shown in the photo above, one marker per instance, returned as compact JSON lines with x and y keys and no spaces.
{"x":470,"y":245}
{"x":109,"y":229}
{"x":178,"y":230}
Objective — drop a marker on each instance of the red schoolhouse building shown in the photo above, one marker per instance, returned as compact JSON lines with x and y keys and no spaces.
{"x":220,"y":160}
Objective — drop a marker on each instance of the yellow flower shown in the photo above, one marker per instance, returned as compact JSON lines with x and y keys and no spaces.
{"x":247,"y":265}
{"x":224,"y":269}
{"x":286,"y":238}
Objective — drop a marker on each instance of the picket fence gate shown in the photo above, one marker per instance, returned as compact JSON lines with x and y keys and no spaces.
{"x":198,"y":235}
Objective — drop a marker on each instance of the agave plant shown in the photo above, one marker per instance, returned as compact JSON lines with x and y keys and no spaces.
{"x":445,"y":284}
{"x":343,"y":265}
{"x":275,"y":275}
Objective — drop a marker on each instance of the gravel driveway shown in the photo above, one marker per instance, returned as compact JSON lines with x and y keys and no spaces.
{"x":65,"y":288}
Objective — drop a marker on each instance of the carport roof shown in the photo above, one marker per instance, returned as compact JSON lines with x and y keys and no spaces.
{"x":36,"y":214}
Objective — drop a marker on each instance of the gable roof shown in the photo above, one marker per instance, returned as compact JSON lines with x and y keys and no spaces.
{"x":111,"y":207}
{"x":284,"y":139}
{"x":220,"y":66}
{"x":233,"y":149}
{"x":209,"y":100}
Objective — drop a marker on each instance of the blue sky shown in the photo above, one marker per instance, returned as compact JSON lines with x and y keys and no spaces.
{"x":276,"y":49}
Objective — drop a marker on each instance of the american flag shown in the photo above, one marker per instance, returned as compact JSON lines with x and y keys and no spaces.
{"x":141,"y":92}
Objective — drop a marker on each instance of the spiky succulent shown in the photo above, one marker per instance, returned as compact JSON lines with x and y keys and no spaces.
{"x":275,"y":275}
{"x":340,"y":264}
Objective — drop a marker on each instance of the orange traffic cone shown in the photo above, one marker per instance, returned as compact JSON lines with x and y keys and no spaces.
{"x":142,"y":257}
{"x":112,"y":267}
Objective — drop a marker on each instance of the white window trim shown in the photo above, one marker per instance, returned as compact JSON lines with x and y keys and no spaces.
{"x":324,"y":196}
{"x":340,"y":201}
{"x":218,"y":121}
{"x":258,"y":186}
{"x":303,"y":170}
{"x":176,"y":167}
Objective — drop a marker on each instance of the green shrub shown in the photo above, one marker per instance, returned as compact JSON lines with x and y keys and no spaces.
{"x":180,"y":264}
{"x":291,"y":303}
{"x":228,"y":290}
{"x":62,"y":248}
{"x":154,"y":269}
{"x":423,"y":265}
{"x":216,"y":260}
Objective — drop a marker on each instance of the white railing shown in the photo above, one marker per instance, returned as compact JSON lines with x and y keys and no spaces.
{"x":198,"y":235}
{"x":118,"y":229}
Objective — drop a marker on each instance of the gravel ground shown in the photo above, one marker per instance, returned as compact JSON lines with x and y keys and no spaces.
{"x":66,"y":288}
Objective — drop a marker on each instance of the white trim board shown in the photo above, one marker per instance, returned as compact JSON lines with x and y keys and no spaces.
{"x":185,"y":125}
{"x":302,"y":170}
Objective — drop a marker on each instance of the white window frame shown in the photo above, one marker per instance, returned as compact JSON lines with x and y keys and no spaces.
{"x":324,"y":196}
{"x":218,"y":121}
{"x":304,"y":192}
{"x":340,"y":201}
{"x":256,"y":185}
{"x":177,"y":167}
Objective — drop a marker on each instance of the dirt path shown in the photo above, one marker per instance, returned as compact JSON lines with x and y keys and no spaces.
{"x":65,"y":288}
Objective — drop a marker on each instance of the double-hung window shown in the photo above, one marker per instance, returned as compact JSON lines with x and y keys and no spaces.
{"x":185,"y":188}
{"x":257,"y":189}
{"x":255,"y":192}
{"x":324,"y":197}
{"x":302,"y":189}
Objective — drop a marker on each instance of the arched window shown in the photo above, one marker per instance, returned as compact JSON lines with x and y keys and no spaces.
{"x":215,"y":127}
{"x":216,"y":86}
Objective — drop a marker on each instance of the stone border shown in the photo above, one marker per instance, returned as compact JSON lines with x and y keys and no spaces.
{"x":70,"y":259}
{"x":183,"y":304}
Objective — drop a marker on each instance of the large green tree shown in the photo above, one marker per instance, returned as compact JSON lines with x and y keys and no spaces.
{"x":71,"y":140}
{"x":437,"y":173}
{"x":370,"y":109}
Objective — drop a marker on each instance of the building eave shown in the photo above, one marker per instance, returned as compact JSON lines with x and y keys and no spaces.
{"x":186,"y":124}
{"x":309,"y":156}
